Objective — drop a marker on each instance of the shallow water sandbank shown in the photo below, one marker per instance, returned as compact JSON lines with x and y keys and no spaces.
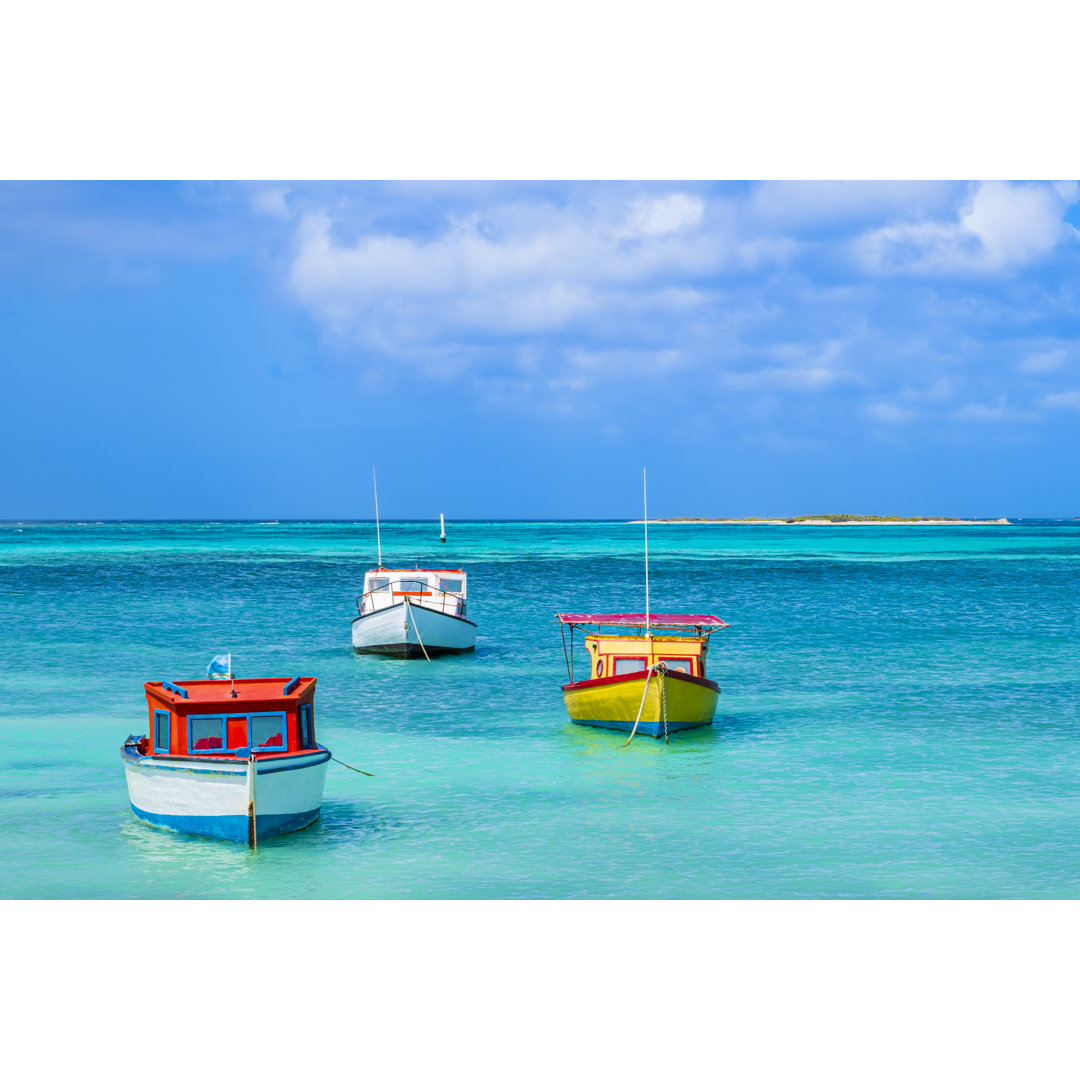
{"x":819,"y":521}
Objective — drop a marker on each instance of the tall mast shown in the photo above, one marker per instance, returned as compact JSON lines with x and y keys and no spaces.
{"x":378,"y":535}
{"x":645,"y":501}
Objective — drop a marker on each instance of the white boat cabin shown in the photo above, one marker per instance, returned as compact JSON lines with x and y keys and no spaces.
{"x":437,"y":590}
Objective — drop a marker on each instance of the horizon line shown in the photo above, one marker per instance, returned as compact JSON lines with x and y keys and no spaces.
{"x":86,"y":520}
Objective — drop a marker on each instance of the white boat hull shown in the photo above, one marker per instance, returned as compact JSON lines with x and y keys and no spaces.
{"x":209,"y":797}
{"x":399,"y":631}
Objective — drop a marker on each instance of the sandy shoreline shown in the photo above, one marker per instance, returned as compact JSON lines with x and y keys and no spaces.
{"x":816,"y":521}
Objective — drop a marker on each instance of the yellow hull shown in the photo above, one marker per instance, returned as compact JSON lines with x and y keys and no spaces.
{"x":614,"y":702}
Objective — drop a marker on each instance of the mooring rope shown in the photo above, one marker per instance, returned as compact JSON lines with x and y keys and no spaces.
{"x":660,"y":669}
{"x":354,"y":769}
{"x":641,"y":707}
{"x":663,"y":695}
{"x":408,"y":606}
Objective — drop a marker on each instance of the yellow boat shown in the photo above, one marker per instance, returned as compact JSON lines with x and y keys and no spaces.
{"x":646,"y":682}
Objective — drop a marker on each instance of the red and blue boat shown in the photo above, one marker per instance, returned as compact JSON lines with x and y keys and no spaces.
{"x":237,"y":760}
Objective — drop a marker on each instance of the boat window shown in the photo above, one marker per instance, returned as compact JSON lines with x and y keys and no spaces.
{"x":411,"y":585}
{"x":625,"y":665}
{"x":378,"y":584}
{"x":453,"y":584}
{"x":267,"y":732}
{"x":206,"y":734}
{"x":161,"y":731}
{"x":678,"y":664}
{"x":307,"y":731}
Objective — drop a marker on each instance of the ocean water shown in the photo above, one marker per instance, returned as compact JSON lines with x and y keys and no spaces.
{"x":900,"y":714}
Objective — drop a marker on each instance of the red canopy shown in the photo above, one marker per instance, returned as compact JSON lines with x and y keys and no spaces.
{"x":637,"y":618}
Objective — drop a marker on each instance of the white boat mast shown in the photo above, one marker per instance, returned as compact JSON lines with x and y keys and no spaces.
{"x":378,"y":535}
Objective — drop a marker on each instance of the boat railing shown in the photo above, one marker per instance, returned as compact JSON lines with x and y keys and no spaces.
{"x":433,"y":598}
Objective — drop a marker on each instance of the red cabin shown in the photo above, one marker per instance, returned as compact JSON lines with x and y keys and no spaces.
{"x":230,"y":718}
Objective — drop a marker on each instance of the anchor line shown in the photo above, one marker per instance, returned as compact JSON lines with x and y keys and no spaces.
{"x":409,"y":610}
{"x":659,"y":669}
{"x":641,"y":707}
{"x":353,"y":767}
{"x":663,"y":695}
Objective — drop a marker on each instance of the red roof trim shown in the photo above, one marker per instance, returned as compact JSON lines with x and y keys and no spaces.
{"x":219,"y":691}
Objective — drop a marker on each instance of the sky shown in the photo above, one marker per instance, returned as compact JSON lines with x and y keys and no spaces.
{"x":523,"y":350}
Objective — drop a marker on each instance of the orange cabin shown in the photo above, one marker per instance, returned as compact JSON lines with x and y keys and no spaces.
{"x":230,"y":718}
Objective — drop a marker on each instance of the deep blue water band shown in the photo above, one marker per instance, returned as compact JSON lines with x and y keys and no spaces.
{"x":228,"y":826}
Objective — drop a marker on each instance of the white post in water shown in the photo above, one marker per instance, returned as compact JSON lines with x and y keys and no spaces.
{"x":645,"y":502}
{"x":378,"y":535}
{"x":442,"y":530}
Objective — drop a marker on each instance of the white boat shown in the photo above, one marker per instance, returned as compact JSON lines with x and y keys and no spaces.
{"x":413,"y":614}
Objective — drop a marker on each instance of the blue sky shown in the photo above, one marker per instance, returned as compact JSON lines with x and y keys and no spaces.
{"x":521,"y":350}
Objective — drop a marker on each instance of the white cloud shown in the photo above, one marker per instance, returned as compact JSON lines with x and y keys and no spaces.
{"x":994,"y":414}
{"x":516,"y":269}
{"x":669,"y":214}
{"x":641,"y":363}
{"x":271,"y":202}
{"x":536,"y":297}
{"x":1015,"y":223}
{"x":999,"y":227}
{"x":814,"y":203}
{"x":1041,"y":363}
{"x":1069,"y":190}
{"x":888,"y":413}
{"x":1067,"y":399}
{"x":798,"y":368}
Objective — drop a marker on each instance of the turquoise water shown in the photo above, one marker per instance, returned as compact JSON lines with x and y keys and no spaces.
{"x":900,"y":713}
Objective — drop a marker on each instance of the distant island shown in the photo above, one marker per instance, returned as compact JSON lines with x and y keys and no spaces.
{"x":825,"y":519}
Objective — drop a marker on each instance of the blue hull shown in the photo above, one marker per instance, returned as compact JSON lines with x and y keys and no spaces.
{"x":656,"y":730}
{"x":230,"y":826}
